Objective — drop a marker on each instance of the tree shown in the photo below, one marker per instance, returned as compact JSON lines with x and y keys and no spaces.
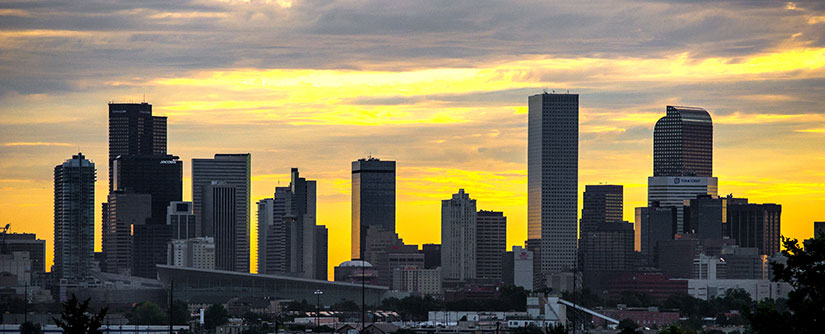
{"x":147,"y":313}
{"x":30,"y":328}
{"x":675,"y":329}
{"x":557,"y":329}
{"x":180,"y":313}
{"x":805,"y":271}
{"x":627,"y":323}
{"x":75,"y":318}
{"x":215,"y":316}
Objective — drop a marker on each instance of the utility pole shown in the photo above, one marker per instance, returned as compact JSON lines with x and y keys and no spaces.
{"x":171,"y":303}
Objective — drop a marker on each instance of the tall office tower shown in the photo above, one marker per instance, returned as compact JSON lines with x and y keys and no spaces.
{"x":682,"y":159}
{"x":706,"y":216}
{"x":27,"y":242}
{"x":232,"y":170}
{"x":683,"y":143}
{"x":552,"y":178}
{"x":656,"y":224}
{"x":134,"y":131}
{"x":160,"y":176}
{"x":373,"y":199}
{"x":458,"y":237}
{"x":289,"y":243}
{"x":124,"y":210}
{"x":220,"y":221}
{"x":321,"y":251}
{"x":491,"y":244}
{"x":602,"y":203}
{"x":754,"y":225}
{"x":181,"y":218}
{"x":74,"y":214}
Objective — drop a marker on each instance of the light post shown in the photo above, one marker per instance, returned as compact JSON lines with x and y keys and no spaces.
{"x":318,"y":294}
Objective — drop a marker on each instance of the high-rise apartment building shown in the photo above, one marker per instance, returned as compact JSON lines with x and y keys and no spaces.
{"x":458,"y":237}
{"x":74,"y":214}
{"x":373,"y":199}
{"x":602,"y":203}
{"x":682,"y":159}
{"x":227,"y":171}
{"x":125,"y":210}
{"x":754,"y":225}
{"x":491,"y":244}
{"x":134,"y":131}
{"x":180,"y":217}
{"x":552,"y":178}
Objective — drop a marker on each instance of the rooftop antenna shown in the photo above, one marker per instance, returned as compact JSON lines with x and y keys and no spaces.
{"x":545,"y":90}
{"x":144,"y":97}
{"x":554,"y":91}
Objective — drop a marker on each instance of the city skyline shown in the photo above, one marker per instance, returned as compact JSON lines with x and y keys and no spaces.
{"x":452,"y":117}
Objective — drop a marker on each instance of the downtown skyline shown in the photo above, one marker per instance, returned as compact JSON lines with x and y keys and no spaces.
{"x":450,"y":120}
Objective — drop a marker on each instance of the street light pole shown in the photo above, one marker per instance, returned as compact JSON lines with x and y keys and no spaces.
{"x":318,"y":294}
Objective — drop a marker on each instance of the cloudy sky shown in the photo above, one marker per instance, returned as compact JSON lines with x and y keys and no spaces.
{"x":439,"y":86}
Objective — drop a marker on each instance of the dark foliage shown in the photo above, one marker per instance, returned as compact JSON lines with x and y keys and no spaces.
{"x":30,"y":328}
{"x":805,"y":271}
{"x":215,"y":316}
{"x":76,"y":319}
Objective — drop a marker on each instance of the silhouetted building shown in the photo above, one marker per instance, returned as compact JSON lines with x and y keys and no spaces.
{"x":656,"y":224}
{"x":181,"y":217}
{"x":356,"y":271}
{"x":754,"y":225}
{"x":683,"y":143}
{"x":124,"y":210}
{"x":373,"y":199}
{"x":608,"y":248}
{"x":220,"y":221}
{"x":134,"y":131}
{"x":491,"y":244}
{"x":745,"y":263}
{"x":386,"y":252}
{"x":321,"y":251}
{"x":432,"y":255}
{"x":233,"y":170}
{"x":288,"y":240}
{"x":192,"y":253}
{"x":675,"y":190}
{"x":602,"y":203}
{"x":819,"y":228}
{"x":552,"y":178}
{"x":458,"y":237}
{"x":27,"y":242}
{"x":74,"y":218}
{"x":160,"y":176}
{"x":706,"y":216}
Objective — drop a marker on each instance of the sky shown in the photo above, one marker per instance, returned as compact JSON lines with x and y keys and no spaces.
{"x":440,"y":87}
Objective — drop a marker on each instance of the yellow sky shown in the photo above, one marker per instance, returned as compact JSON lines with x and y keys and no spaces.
{"x":299,"y":84}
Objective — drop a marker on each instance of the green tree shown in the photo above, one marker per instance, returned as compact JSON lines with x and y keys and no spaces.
{"x":147,"y":313}
{"x":76,"y":319}
{"x":215,"y":316}
{"x":30,"y":328}
{"x":805,"y":271}
{"x":676,"y":329}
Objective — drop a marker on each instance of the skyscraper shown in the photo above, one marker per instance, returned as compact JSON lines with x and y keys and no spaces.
{"x":491,"y":244}
{"x":289,"y":241}
{"x":373,"y":199}
{"x":27,"y":242}
{"x":125,"y":210}
{"x":74,"y":214}
{"x":161,"y":177}
{"x":754,"y":225}
{"x":683,"y":143}
{"x":231,"y":170}
{"x":552,"y":178}
{"x":602,"y":203}
{"x":220,"y":221}
{"x":458,"y":237}
{"x":682,"y":159}
{"x":134,"y":131}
